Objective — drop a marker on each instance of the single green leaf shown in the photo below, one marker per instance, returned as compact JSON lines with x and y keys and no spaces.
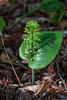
{"x":57,"y":16}
{"x":10,"y":8}
{"x":2,"y":24}
{"x":47,"y":50}
{"x":51,"y":5}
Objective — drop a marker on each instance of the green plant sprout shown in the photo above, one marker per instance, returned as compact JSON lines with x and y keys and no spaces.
{"x":2,"y":24}
{"x":49,"y":6}
{"x":40,"y":47}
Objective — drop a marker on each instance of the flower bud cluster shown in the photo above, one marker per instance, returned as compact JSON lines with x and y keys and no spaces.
{"x":32,"y":28}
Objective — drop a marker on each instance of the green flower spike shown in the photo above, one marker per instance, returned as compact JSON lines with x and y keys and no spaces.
{"x":32,"y":26}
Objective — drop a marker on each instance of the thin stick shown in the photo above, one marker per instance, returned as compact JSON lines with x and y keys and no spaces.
{"x":9,"y":59}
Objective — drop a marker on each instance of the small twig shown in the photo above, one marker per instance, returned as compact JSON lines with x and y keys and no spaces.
{"x":10,"y":60}
{"x":60,"y":75}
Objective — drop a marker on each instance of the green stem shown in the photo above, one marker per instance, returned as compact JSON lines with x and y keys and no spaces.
{"x":32,"y":56}
{"x":27,"y":14}
{"x":33,"y":76}
{"x":32,"y":44}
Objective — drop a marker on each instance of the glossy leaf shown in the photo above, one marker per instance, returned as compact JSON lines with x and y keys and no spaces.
{"x":2,"y":24}
{"x":47,"y":50}
{"x":51,"y":5}
{"x":57,"y":16}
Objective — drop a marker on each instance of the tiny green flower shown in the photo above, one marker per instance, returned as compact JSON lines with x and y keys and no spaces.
{"x":32,"y":26}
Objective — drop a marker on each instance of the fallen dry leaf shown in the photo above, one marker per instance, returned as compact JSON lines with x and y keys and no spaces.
{"x":55,"y":87}
{"x":5,"y":2}
{"x":29,"y":72}
{"x":44,"y":86}
{"x":48,"y":76}
{"x":4,"y":59}
{"x":51,"y":67}
{"x":30,"y":88}
{"x":63,"y":23}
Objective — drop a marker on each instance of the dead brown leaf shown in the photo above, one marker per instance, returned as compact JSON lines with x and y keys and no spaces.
{"x":51,"y":67}
{"x":55,"y":87}
{"x":29,"y":72}
{"x":44,"y":86}
{"x":30,"y":88}
{"x":4,"y":59}
{"x":5,"y":2}
{"x":63,"y":23}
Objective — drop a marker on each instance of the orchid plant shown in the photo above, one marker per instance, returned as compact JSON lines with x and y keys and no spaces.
{"x":39,"y":47}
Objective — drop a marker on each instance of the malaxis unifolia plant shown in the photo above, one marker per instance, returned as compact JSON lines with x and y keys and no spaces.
{"x":40,"y":47}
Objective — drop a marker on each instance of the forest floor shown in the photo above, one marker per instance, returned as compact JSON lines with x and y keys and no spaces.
{"x":51,"y":81}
